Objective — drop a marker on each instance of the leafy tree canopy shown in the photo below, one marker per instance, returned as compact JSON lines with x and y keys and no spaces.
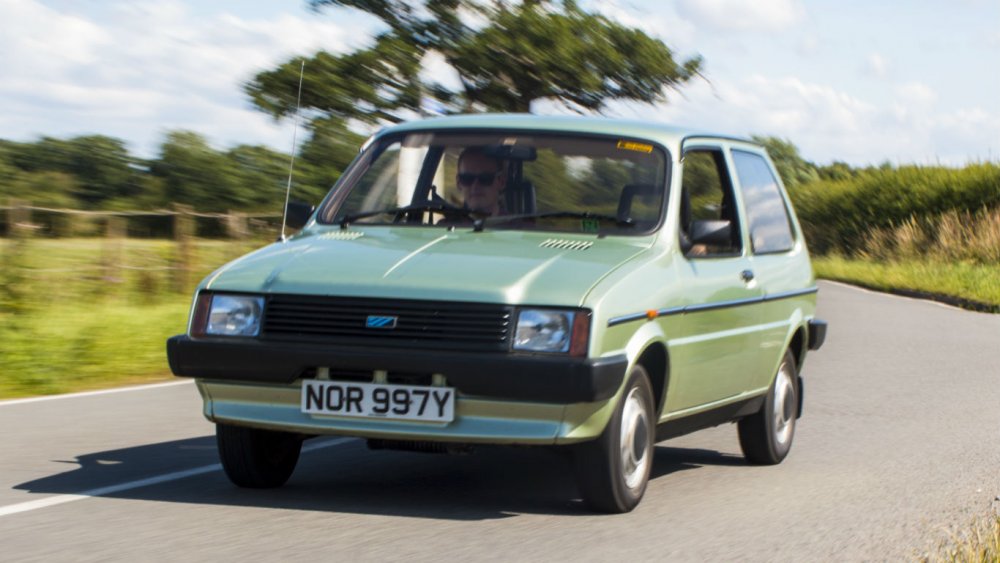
{"x":101,"y":165}
{"x":795,"y":171}
{"x":511,"y":56}
{"x":195,"y":174}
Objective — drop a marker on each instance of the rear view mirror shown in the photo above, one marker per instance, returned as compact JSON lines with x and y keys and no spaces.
{"x":512,"y":152}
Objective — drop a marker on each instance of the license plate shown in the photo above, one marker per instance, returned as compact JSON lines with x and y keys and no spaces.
{"x":377,"y":400}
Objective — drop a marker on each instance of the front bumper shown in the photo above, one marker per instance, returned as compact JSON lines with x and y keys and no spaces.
{"x":534,"y":378}
{"x":817,"y":333}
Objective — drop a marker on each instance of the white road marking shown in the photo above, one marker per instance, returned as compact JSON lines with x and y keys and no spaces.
{"x":887,"y":294}
{"x":92,"y":393}
{"x":112,"y":489}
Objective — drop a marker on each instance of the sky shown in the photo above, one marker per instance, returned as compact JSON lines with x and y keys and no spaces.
{"x":915,"y":81}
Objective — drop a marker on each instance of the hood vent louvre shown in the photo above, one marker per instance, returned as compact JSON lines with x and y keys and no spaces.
{"x":342,"y":235}
{"x":564,"y":244}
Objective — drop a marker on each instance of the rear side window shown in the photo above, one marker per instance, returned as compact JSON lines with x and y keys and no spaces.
{"x":767,"y":216}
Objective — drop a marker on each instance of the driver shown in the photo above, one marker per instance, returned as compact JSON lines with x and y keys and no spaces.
{"x":481,"y":179}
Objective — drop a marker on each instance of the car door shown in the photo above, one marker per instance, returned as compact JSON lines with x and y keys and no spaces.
{"x":715,"y":338}
{"x":778,"y":257}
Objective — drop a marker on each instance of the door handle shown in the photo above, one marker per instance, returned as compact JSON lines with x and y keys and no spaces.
{"x":746,"y":276}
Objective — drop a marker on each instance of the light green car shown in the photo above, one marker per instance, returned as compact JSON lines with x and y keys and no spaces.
{"x":590,"y":284}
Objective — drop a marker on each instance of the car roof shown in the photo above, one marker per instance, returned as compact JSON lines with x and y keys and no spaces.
{"x":666,"y":134}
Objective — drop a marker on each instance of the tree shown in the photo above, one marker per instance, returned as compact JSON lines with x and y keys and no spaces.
{"x":324,"y":157}
{"x":366,"y":84}
{"x":262,"y":175}
{"x":195,"y":174}
{"x":9,"y":173}
{"x":533,"y":52}
{"x":836,"y":171}
{"x":795,"y":171}
{"x":538,"y":49}
{"x":101,"y":167}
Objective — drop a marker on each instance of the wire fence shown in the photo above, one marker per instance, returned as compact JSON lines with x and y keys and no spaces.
{"x":71,"y":253}
{"x":153,"y":223}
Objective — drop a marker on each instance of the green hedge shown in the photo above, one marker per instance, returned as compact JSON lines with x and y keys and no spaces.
{"x":838,"y":215}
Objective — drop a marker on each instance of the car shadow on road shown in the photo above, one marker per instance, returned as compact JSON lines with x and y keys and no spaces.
{"x":491,"y":483}
{"x":669,"y":460}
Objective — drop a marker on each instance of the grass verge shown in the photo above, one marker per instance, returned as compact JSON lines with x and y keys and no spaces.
{"x":974,"y":286}
{"x":81,"y":314}
{"x":74,"y":347}
{"x":979,"y":545}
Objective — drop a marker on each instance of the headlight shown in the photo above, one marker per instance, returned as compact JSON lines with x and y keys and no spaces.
{"x":542,"y":330}
{"x":227,"y":315}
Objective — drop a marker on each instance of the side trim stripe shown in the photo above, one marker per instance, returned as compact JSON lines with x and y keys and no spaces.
{"x":700,"y":308}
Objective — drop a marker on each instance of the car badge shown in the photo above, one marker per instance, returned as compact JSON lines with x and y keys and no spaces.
{"x":380,"y":321}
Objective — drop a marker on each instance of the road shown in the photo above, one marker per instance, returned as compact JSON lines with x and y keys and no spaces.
{"x":897,"y":449}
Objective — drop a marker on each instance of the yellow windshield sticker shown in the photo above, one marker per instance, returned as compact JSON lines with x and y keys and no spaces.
{"x":633,"y":146}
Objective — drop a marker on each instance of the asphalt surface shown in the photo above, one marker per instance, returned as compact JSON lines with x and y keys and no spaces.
{"x":897,"y":450}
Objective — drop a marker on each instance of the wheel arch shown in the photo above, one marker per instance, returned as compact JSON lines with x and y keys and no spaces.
{"x":798,"y":346}
{"x":656,"y":360}
{"x":648,"y":347}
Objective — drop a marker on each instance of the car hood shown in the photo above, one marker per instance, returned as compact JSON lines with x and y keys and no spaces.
{"x":432,"y":263}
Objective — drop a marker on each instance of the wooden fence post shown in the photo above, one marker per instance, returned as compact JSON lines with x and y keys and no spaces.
{"x":183,"y":232}
{"x":236,"y":225}
{"x":14,"y":298}
{"x":114,"y":231}
{"x":18,"y":219}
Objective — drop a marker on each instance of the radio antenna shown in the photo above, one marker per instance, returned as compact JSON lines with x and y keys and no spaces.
{"x":291,"y":164}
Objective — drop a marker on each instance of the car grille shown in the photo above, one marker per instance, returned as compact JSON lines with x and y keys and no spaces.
{"x":428,"y":324}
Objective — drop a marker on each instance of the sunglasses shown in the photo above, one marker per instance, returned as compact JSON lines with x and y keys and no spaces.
{"x":468,"y":178}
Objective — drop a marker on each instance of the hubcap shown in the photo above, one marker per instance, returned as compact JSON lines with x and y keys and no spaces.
{"x":634,"y":442}
{"x":784,"y":405}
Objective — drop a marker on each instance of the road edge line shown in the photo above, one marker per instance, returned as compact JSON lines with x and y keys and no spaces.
{"x":93,"y":393}
{"x":30,"y":505}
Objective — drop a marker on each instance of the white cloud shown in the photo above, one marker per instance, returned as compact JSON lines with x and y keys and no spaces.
{"x":142,"y":67}
{"x":42,"y":40}
{"x":133,"y":69}
{"x":916,"y":95}
{"x":830,"y":124}
{"x":674,"y":30}
{"x":877,"y":65}
{"x":742,"y":15}
{"x":807,"y":46}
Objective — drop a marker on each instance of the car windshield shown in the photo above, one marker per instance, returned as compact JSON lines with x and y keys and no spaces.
{"x":544,"y":182}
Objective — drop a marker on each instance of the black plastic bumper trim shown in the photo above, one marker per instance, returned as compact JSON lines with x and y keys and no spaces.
{"x":817,"y":333}
{"x":503,"y":376}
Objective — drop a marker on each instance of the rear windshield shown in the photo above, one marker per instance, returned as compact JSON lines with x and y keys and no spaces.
{"x":565,"y":183}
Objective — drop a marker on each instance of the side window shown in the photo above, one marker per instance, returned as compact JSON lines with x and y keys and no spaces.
{"x":709,"y":223}
{"x":767,"y":215}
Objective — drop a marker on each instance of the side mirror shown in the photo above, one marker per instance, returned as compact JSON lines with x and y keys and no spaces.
{"x":712,"y":233}
{"x":297,"y":214}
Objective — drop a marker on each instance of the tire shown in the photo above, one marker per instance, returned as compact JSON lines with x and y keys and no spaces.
{"x":613,"y":470}
{"x":257,"y":459}
{"x":766,"y":436}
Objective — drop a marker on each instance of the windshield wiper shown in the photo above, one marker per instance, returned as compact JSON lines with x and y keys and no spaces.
{"x":481,"y":223}
{"x":442,"y":208}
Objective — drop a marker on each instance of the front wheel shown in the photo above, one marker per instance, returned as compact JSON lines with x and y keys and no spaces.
{"x":255,"y":458}
{"x":612,"y":471}
{"x":766,"y":436}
